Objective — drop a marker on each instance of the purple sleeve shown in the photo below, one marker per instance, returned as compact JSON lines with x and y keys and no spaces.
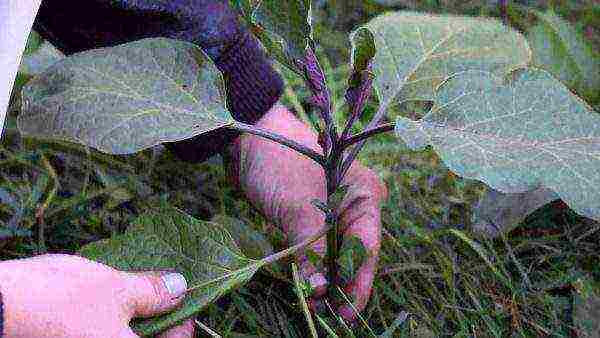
{"x":253,"y":86}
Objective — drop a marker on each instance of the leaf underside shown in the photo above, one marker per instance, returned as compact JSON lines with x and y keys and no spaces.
{"x":168,"y":239}
{"x":417,"y":51}
{"x":126,"y":98}
{"x":518,"y":136}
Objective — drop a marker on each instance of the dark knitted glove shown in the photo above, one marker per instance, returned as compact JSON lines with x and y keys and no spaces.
{"x":252,"y":84}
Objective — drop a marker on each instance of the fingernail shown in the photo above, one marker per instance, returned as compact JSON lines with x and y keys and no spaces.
{"x":175,"y":283}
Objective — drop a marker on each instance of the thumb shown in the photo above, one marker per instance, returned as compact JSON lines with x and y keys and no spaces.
{"x":154,"y":293}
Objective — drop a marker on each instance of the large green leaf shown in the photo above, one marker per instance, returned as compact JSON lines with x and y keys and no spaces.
{"x":126,"y":98}
{"x":169,"y":239}
{"x":417,"y":51}
{"x":252,"y":243}
{"x":528,"y":133}
{"x":289,"y":20}
{"x":560,"y":49}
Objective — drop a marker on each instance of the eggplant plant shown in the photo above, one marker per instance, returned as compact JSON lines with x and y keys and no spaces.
{"x":494,"y":118}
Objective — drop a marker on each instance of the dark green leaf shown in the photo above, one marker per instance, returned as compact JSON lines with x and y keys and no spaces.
{"x":34,"y":42}
{"x":290,"y":21}
{"x":352,"y":256}
{"x":314,"y":258}
{"x":363,"y":49}
{"x":126,"y":98}
{"x":252,"y":243}
{"x":336,"y":199}
{"x":168,"y":239}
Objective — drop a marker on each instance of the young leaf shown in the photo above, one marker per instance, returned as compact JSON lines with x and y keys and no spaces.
{"x":337,"y":197}
{"x":416,"y":51}
{"x":497,"y":212}
{"x":314,"y":258}
{"x":531,"y":132}
{"x":561,"y":50}
{"x":360,"y":81}
{"x":170,"y":239}
{"x":126,"y":98}
{"x":290,"y":21}
{"x":363,"y":49}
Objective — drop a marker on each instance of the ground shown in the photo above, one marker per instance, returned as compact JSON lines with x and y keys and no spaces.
{"x":540,"y":279}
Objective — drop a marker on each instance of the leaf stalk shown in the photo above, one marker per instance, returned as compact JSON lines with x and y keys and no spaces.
{"x":302,"y":149}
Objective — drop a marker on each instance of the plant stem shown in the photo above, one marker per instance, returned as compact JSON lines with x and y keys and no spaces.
{"x":292,"y":249}
{"x":354,"y":151}
{"x":382,"y":128}
{"x":333,"y":178}
{"x":302,"y":149}
{"x":332,"y":253}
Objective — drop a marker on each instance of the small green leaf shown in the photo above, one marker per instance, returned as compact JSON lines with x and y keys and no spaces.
{"x":290,"y":21}
{"x":352,"y":256}
{"x":336,"y":199}
{"x":518,"y":136}
{"x":417,"y":51}
{"x":360,"y":81}
{"x":363,"y":49}
{"x":126,"y":98}
{"x":34,"y":42}
{"x":168,"y":239}
{"x":314,"y":258}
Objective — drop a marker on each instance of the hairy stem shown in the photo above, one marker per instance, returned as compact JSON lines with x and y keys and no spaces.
{"x":331,"y":220}
{"x":354,"y":151}
{"x":382,"y":128}
{"x":302,"y":149}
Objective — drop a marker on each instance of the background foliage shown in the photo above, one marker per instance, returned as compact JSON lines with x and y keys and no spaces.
{"x":436,"y":277}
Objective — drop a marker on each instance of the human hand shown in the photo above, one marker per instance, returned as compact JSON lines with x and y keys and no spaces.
{"x":70,"y":296}
{"x":281,"y":183}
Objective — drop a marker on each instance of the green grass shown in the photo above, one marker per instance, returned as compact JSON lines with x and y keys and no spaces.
{"x":432,"y":281}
